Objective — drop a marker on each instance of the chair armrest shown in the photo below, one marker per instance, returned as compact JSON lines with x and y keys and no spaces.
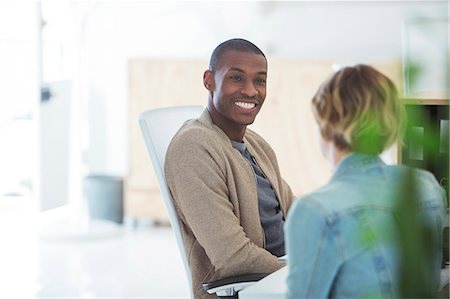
{"x":229,"y":286}
{"x":282,"y":258}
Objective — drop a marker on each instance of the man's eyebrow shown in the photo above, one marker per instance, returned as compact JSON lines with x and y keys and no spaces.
{"x":242,"y":71}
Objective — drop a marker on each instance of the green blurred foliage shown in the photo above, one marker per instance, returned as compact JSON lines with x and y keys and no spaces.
{"x":415,"y":240}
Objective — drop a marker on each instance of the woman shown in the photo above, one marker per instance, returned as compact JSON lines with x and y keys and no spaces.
{"x":342,"y":240}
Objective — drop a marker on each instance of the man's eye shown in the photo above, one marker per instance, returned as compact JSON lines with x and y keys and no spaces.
{"x":236,"y":78}
{"x":261,"y":81}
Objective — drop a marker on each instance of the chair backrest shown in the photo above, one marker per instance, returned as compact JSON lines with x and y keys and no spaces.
{"x":158,"y":126}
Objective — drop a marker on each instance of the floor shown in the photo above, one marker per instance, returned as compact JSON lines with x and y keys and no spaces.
{"x":49,"y":259}
{"x":45,"y":256}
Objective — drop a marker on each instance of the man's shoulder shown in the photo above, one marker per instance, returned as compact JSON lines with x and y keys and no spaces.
{"x":189,"y":128}
{"x":193,"y":134}
{"x":194,"y":144}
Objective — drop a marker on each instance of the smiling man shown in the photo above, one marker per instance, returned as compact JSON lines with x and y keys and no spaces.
{"x":224,"y":178}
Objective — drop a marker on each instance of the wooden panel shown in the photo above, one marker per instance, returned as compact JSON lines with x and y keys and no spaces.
{"x":155,"y":84}
{"x":286,"y":120}
{"x":287,"y":123}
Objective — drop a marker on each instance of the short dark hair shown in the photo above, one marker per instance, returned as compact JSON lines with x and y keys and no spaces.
{"x":235,"y":44}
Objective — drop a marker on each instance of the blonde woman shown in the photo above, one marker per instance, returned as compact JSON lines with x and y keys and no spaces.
{"x":342,"y":239}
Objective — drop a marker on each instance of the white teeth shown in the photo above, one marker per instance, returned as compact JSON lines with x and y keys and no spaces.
{"x":245,"y":105}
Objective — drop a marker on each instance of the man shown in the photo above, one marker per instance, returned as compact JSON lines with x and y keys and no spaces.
{"x":224,"y":178}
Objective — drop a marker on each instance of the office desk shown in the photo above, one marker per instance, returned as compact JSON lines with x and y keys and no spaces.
{"x":272,"y":286}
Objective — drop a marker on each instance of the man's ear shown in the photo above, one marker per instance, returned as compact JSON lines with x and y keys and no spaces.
{"x":208,"y":80}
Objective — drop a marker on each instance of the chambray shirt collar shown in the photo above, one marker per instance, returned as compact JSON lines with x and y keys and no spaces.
{"x":355,"y":162}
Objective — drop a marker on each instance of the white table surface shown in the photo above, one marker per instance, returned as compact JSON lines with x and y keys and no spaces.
{"x":272,"y":286}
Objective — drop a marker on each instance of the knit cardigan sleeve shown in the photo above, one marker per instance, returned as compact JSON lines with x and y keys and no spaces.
{"x":197,"y":178}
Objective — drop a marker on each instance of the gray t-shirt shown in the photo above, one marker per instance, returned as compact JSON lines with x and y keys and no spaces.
{"x":272,"y":219}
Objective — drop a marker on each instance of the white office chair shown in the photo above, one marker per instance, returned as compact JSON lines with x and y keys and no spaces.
{"x":158,"y":126}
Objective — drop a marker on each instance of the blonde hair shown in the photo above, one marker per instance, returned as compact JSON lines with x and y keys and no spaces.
{"x":358,"y":109}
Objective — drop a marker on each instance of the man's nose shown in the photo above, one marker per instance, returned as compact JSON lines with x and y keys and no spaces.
{"x":250,"y":90}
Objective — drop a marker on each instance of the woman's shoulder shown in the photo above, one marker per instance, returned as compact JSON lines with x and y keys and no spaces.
{"x":317,"y":201}
{"x":331,"y":200}
{"x":420,"y":178}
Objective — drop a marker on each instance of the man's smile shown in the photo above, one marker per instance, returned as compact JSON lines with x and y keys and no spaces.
{"x":245,"y":105}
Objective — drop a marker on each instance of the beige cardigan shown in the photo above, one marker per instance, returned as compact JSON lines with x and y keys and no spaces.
{"x":215,"y":196}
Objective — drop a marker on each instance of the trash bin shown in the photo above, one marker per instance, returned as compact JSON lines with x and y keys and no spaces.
{"x":104,"y":195}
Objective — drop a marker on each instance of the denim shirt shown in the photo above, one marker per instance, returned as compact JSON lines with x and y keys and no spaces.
{"x":328,"y":248}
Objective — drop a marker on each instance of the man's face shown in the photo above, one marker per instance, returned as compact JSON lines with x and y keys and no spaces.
{"x":238,"y":89}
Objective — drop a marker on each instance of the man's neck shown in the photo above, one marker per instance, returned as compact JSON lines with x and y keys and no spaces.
{"x":235,"y":133}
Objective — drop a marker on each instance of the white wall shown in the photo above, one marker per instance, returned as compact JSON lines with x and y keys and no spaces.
{"x":18,"y":94}
{"x":347,"y":32}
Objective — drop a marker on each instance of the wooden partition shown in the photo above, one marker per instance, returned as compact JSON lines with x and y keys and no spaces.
{"x":285,"y":120}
